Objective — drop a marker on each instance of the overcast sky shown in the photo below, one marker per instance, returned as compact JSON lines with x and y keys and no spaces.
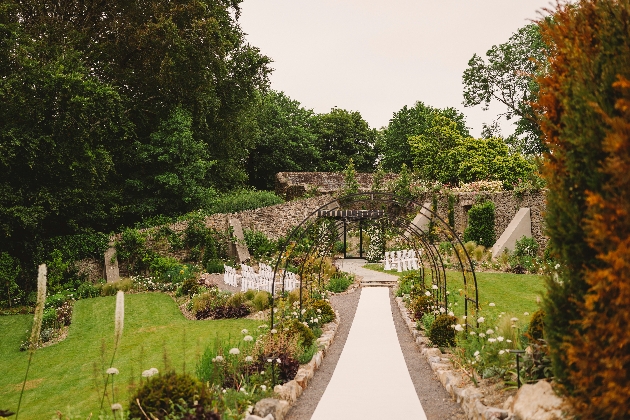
{"x":375,"y":56}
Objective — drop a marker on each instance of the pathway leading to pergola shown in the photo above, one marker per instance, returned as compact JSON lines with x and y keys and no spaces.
{"x":371,"y":379}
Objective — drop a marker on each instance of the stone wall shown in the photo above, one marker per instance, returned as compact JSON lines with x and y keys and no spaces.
{"x":291,"y":185}
{"x":507,"y":204}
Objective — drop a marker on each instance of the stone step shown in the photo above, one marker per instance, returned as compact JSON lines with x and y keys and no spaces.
{"x":378,"y":283}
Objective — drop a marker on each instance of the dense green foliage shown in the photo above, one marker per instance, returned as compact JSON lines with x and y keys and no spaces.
{"x":393,"y":146}
{"x":584,"y":103}
{"x":443,"y":154}
{"x":441,"y":332}
{"x":509,"y":77}
{"x":481,"y":224}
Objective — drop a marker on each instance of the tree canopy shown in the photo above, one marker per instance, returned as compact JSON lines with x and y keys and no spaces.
{"x":393,"y":145}
{"x":509,"y":76}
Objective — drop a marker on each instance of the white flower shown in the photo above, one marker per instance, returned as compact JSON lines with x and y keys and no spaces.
{"x":491,"y":304}
{"x":499,"y":339}
{"x":262,"y":327}
{"x":472,"y":333}
{"x":278,"y":360}
{"x":316,"y":320}
{"x":302,"y":311}
{"x":263,"y":387}
{"x":508,"y":340}
{"x":442,"y":310}
{"x":154,"y":371}
{"x":243,"y":390}
{"x":218,"y":359}
{"x":434,"y":287}
{"x":476,"y":353}
{"x":482,"y":335}
{"x":526,"y":313}
{"x":275,"y":310}
{"x":235,"y":351}
{"x":491,"y":340}
{"x":458,"y":327}
{"x":112,"y":371}
{"x":249,"y":359}
{"x":116,"y":407}
{"x":244,"y":331}
{"x":427,"y":293}
{"x":490,"y":331}
{"x":273,"y":331}
{"x":269,"y":360}
{"x":319,"y":311}
{"x":501,"y":351}
{"x":464,"y":317}
{"x":248,"y":338}
{"x":481,"y":319}
{"x":514,"y":319}
{"x":146,"y":373}
{"x":451,"y":313}
{"x":448,"y":293}
{"x":555,"y":267}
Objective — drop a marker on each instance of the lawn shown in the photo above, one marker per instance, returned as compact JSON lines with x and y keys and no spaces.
{"x":63,"y":376}
{"x":514,"y":294}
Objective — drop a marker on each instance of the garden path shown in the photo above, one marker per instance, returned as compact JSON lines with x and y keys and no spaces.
{"x":371,"y":379}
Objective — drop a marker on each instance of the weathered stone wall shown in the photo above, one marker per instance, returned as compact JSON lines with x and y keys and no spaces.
{"x":291,"y":185}
{"x":507,"y":204}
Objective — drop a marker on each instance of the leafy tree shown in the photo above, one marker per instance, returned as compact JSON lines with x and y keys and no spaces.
{"x":343,"y":135}
{"x":583,"y":105}
{"x":393,"y":146}
{"x":441,"y":154}
{"x":177,"y":168}
{"x":509,"y":76}
{"x":286,"y":140}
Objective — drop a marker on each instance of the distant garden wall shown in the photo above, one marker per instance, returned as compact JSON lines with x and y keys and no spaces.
{"x":296,"y":184}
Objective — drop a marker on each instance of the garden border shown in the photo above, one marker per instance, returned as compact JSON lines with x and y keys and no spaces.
{"x":289,"y":392}
{"x":550,"y":406}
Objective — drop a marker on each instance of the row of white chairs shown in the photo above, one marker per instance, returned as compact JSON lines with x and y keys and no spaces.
{"x":402,"y":260}
{"x":263,"y":280}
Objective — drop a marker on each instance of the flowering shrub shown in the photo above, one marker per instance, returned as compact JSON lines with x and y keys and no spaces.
{"x":476,"y":186}
{"x":376,"y":246}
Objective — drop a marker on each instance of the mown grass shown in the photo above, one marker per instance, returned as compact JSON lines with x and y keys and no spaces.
{"x":62,"y":376}
{"x":514,"y":294}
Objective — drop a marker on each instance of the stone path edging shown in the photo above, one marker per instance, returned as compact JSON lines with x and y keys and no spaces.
{"x":468,"y":397}
{"x":277,"y":408}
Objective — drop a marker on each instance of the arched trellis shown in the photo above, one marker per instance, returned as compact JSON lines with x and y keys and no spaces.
{"x":394,"y":216}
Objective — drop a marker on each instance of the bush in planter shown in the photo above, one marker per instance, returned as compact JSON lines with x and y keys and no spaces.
{"x":324,"y":311}
{"x":442,"y":333}
{"x":421,"y":305}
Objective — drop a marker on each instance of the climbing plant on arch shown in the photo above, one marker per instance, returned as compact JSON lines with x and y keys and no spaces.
{"x":316,"y":238}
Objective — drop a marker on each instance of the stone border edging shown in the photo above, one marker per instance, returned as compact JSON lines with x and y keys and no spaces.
{"x":277,"y":408}
{"x":469,"y":397}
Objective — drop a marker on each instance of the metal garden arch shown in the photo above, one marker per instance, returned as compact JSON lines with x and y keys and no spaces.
{"x":316,"y":236}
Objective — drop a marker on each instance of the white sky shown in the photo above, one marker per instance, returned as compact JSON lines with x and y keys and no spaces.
{"x":376,"y":56}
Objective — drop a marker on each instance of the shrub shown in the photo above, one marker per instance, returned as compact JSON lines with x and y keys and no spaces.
{"x":481,"y":224}
{"x":217,"y":304}
{"x":237,"y":201}
{"x":442,"y":333}
{"x":421,"y":305}
{"x":214,"y":266}
{"x":409,"y":284}
{"x":189,"y":287}
{"x":324,"y":311}
{"x":304,"y":334}
{"x":258,"y":244}
{"x":161,"y":395}
{"x":110,"y":289}
{"x":340,"y":282}
{"x":262,"y":300}
{"x":88,"y":290}
{"x":584,"y":103}
{"x":536,"y":328}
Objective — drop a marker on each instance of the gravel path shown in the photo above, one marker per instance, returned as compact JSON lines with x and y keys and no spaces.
{"x":435,"y":400}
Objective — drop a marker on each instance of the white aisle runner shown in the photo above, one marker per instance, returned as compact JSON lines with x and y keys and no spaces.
{"x":371,"y":380}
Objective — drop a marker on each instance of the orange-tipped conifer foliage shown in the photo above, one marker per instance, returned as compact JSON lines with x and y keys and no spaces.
{"x":584,"y":106}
